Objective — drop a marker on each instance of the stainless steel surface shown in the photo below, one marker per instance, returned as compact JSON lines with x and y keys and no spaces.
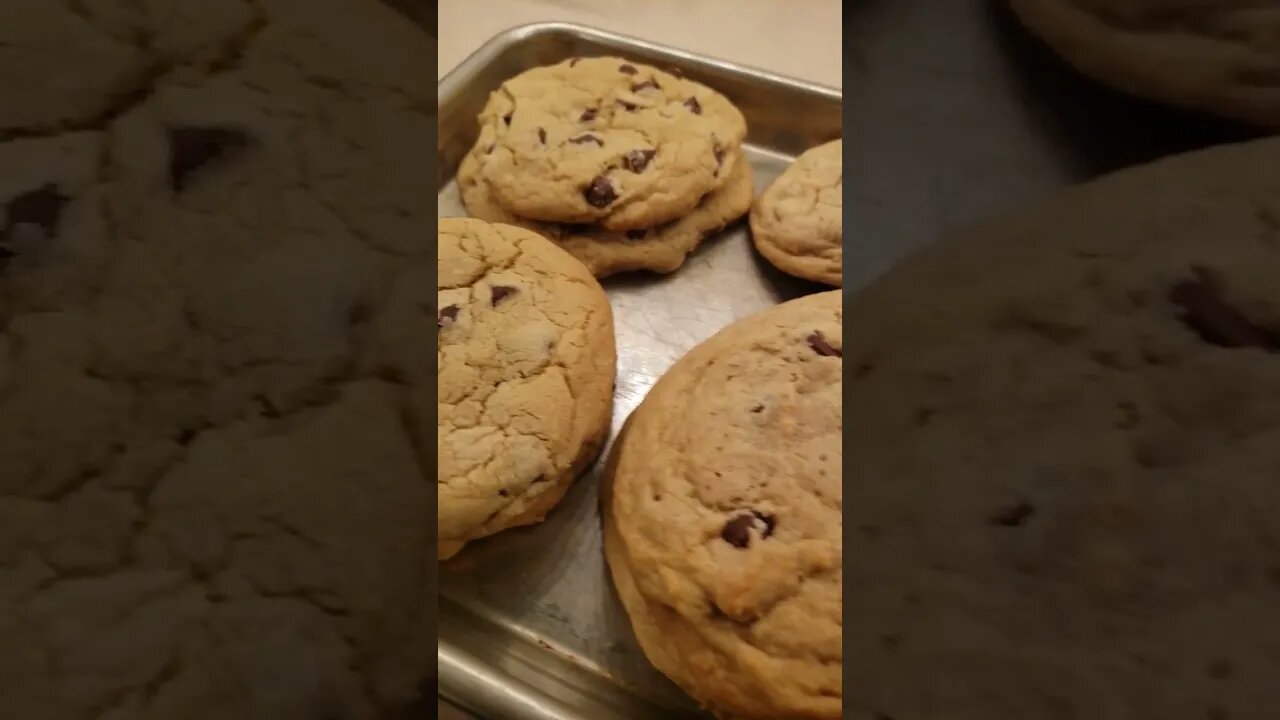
{"x":529,"y":623}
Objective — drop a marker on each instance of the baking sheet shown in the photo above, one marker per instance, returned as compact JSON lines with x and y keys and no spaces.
{"x":529,"y":623}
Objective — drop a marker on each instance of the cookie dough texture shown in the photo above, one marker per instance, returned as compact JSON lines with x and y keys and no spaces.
{"x":213,"y":497}
{"x":1067,"y":421}
{"x":606,"y":141}
{"x":1216,"y":56}
{"x":662,"y":249}
{"x":526,"y":364}
{"x":723,"y":519}
{"x":796,"y":223}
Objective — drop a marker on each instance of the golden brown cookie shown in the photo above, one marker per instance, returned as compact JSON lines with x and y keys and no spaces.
{"x":526,"y":364}
{"x":606,"y":141}
{"x":1216,"y":56}
{"x":723,"y":519}
{"x":1063,"y":456}
{"x":797,"y":222}
{"x":605,"y":252}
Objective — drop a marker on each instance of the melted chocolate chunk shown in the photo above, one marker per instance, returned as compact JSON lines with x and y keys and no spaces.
{"x":650,"y":83}
{"x":588,"y":138}
{"x":636,"y":234}
{"x":448,"y":315}
{"x":600,"y":192}
{"x":41,"y":206}
{"x":819,"y":343}
{"x":1210,"y":316}
{"x":542,"y":136}
{"x":506,"y":119}
{"x":637,"y":160}
{"x":694,"y":106}
{"x":629,"y":107}
{"x":500,"y":293}
{"x":588,"y":115}
{"x":193,"y":147}
{"x":627,"y":69}
{"x":1014,"y":516}
{"x":737,"y":532}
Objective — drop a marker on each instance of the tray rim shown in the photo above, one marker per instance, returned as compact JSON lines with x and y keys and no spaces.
{"x":463,"y":679}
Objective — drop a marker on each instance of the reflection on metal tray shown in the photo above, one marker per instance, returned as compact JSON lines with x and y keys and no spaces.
{"x":529,"y":623}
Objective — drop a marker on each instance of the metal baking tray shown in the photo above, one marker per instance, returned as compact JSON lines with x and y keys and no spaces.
{"x":529,"y":624}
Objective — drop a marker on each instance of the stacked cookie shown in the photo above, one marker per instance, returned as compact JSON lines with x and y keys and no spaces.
{"x":624,"y":166}
{"x":723,"y":516}
{"x":526,"y":361}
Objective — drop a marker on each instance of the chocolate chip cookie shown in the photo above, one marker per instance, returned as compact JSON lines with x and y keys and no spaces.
{"x":723,"y":518}
{"x":796,"y":223}
{"x":1064,"y":454}
{"x":526,"y":364}
{"x":606,"y":141}
{"x":213,"y":492}
{"x":1216,"y":56}
{"x":605,"y":252}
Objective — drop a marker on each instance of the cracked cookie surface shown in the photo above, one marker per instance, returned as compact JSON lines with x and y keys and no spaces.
{"x":526,"y":364}
{"x":1215,"y":56}
{"x":1067,"y":420}
{"x":606,"y":141}
{"x":662,"y":249}
{"x":723,"y":516}
{"x":796,"y":223}
{"x":213,"y":497}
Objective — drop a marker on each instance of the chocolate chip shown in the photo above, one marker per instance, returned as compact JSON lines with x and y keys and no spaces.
{"x":637,"y":160}
{"x":627,"y":69}
{"x":757,"y":408}
{"x":506,"y":119}
{"x":542,"y":136}
{"x":193,"y":147}
{"x":583,"y":139}
{"x":737,"y":532}
{"x":447,"y":316}
{"x":1216,"y":322}
{"x":636,"y":234}
{"x":500,"y":293}
{"x":629,"y":107}
{"x":694,"y":106}
{"x":650,"y":83}
{"x":1014,"y":515}
{"x":503,"y":492}
{"x":819,"y":343}
{"x":600,"y":192}
{"x":41,"y":206}
{"x":588,"y":115}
